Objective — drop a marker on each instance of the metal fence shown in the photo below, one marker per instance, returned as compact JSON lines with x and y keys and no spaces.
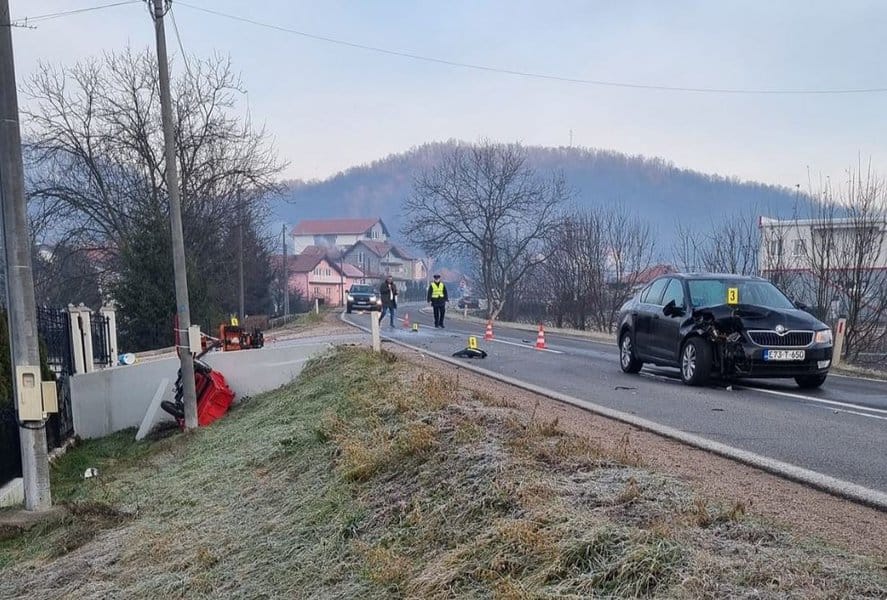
{"x":10,"y":453}
{"x":101,"y":334}
{"x":53,"y":327}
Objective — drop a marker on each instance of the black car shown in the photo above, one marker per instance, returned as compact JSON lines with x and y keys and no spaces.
{"x":725,"y":325}
{"x":363,"y":297}
{"x":468,"y":302}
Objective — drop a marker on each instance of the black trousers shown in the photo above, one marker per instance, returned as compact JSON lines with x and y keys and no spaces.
{"x":439,"y":311}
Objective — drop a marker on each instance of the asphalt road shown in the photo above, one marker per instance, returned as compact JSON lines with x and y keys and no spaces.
{"x":839,"y":430}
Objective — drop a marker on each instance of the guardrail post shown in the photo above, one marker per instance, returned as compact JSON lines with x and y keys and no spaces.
{"x":374,"y":327}
{"x":838,"y":349}
{"x":317,"y":306}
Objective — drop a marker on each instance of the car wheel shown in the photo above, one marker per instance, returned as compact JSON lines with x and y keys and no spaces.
{"x":810,"y":382}
{"x":695,"y":361}
{"x":627,"y":359}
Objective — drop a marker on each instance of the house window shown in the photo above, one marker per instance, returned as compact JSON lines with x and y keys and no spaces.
{"x":776,"y":248}
{"x":799,"y":247}
{"x":360,"y":257}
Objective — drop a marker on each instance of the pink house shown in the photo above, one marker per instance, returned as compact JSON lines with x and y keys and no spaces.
{"x":317,"y":276}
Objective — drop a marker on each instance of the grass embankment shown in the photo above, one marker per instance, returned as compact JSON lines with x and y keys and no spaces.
{"x":370,"y":479}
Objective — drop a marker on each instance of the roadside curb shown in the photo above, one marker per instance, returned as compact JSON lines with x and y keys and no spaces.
{"x":826,"y":483}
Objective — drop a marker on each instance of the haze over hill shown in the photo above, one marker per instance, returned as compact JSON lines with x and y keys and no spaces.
{"x":654,"y":188}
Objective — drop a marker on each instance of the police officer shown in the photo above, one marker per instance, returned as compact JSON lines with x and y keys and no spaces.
{"x":437,"y":296}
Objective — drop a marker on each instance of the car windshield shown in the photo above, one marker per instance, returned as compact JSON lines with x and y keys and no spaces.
{"x":361,"y":289}
{"x":711,"y":292}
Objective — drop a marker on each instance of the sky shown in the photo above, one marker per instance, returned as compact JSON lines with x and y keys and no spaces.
{"x":330,"y":107}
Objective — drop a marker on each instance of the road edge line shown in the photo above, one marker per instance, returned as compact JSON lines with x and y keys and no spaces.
{"x":826,"y":483}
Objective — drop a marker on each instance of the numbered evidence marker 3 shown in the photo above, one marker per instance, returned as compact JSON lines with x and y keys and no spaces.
{"x":732,"y":295}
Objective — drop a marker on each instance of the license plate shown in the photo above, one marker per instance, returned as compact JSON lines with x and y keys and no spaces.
{"x":784,"y":354}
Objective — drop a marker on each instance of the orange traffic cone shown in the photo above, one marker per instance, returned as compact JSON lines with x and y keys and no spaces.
{"x":540,"y":338}
{"x":489,"y":333}
{"x":406,"y":320}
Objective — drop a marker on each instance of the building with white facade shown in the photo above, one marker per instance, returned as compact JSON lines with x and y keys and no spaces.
{"x":799,"y":244}
{"x":337,"y":233}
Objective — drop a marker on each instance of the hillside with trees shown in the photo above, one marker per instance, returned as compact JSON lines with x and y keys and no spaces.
{"x":664,"y":193}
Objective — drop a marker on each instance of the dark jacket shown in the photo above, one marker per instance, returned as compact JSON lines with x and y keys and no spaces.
{"x":438,"y":300}
{"x":388,"y":294}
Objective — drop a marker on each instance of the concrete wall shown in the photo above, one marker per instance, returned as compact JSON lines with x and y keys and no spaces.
{"x":117,"y":398}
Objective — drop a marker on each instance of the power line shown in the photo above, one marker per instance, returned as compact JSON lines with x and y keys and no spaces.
{"x":175,"y":27}
{"x":533,"y":75}
{"x":77,"y":11}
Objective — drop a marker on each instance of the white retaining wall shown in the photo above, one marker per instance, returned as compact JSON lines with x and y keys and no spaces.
{"x":117,"y":398}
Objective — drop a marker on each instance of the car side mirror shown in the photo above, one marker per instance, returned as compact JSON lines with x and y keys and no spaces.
{"x":672,"y":310}
{"x":801,"y":306}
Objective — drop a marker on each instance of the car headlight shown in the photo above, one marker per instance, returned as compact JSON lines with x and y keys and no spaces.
{"x":350,"y":298}
{"x":372,"y":298}
{"x":823,"y":337}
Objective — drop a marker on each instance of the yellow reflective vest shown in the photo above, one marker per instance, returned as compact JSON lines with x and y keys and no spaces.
{"x":437,"y":290}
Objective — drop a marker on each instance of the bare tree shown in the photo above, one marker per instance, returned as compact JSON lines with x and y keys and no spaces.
{"x":94,"y":139}
{"x":687,"y":251}
{"x":846,"y":256}
{"x":483,"y":204}
{"x":97,"y":173}
{"x":730,"y":245}
{"x":631,"y":248}
{"x":573,"y":276}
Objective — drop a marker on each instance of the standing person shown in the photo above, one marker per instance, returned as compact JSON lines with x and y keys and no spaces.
{"x":388,"y":292}
{"x":437,"y":297}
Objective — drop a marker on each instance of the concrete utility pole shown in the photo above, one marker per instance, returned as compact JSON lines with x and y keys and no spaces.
{"x":175,"y":218}
{"x":286,"y":282}
{"x":20,"y":304}
{"x":240,"y":254}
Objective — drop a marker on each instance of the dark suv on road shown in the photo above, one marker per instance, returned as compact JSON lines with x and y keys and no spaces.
{"x":725,"y":325}
{"x":364,"y":297}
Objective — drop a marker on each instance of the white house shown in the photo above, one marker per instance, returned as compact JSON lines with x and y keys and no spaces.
{"x":338,"y":233}
{"x":791,"y":244}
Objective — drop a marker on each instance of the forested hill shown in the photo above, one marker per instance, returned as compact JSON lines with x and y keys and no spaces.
{"x":653,"y":187}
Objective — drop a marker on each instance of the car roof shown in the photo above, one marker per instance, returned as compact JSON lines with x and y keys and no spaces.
{"x":728,"y":276}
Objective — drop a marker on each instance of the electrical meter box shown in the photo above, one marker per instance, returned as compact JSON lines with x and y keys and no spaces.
{"x":194,"y":338}
{"x":29,"y":390}
{"x":50,"y":397}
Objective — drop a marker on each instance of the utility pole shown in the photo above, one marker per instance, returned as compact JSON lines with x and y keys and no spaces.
{"x":20,"y":304}
{"x":240,"y":253}
{"x":286,"y":282}
{"x":175,"y":219}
